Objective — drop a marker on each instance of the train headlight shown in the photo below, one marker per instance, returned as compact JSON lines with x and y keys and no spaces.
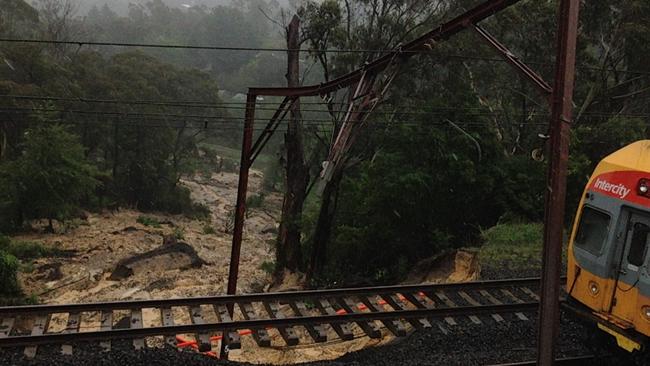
{"x":593,"y":288}
{"x":643,"y":188}
{"x":646,"y":312}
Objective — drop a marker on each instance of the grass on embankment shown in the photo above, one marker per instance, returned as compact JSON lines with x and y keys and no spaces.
{"x":18,"y":256}
{"x":27,"y":250}
{"x":513,"y":248}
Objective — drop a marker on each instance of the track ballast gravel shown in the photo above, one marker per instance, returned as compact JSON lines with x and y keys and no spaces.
{"x":463,"y":344}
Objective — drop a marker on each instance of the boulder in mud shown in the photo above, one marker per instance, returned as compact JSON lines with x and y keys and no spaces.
{"x":48,"y":272}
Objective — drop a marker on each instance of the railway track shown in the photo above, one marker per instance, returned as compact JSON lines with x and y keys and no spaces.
{"x":578,"y":360}
{"x":323,"y":314}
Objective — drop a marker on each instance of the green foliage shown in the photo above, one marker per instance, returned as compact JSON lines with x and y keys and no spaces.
{"x":141,"y":161}
{"x":208,"y":229}
{"x":148,"y":221}
{"x":18,"y":256}
{"x":198,"y":211}
{"x":4,"y":241}
{"x":179,"y":233}
{"x":273,"y":176}
{"x":26,"y":250}
{"x":513,"y":234}
{"x":592,"y":142}
{"x":418,"y":197}
{"x":410,"y":191}
{"x":8,"y":279}
{"x":268,"y":267}
{"x":255,"y":200}
{"x":239,"y":23}
{"x":14,"y":13}
{"x":27,"y":267}
{"x":515,"y":245}
{"x":146,"y":162}
{"x":49,"y":179}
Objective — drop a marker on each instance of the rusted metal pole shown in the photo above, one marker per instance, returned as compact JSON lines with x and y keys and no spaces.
{"x":240,"y":211}
{"x":561,"y":115}
{"x":242,"y":189}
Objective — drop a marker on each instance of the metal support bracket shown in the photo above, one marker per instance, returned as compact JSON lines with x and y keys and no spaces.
{"x":271,"y":127}
{"x":514,"y":61}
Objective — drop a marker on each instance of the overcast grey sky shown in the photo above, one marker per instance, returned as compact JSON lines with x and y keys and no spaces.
{"x":122,"y":5}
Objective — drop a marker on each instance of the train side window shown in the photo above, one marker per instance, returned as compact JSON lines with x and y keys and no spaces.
{"x":638,"y":244}
{"x":592,"y":230}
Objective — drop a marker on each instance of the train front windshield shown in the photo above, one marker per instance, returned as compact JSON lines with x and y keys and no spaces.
{"x":592,"y":230}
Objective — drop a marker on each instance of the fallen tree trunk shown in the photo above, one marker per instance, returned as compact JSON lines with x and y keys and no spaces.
{"x":171,"y":255}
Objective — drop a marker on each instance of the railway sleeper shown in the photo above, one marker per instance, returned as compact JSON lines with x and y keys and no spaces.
{"x":395,"y":326}
{"x":261,"y":336}
{"x":287,"y":333}
{"x":106,"y":324}
{"x":136,"y":323}
{"x":203,"y":339}
{"x":396,"y":304}
{"x":231,"y":338}
{"x":41,"y":323}
{"x":316,"y":332}
{"x":342,"y":330}
{"x":6,"y":326}
{"x":381,"y":302}
{"x":167,"y":319}
{"x":71,"y":327}
{"x":369,"y":327}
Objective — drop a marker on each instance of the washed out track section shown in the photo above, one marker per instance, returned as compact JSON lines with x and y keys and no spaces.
{"x":207,"y":319}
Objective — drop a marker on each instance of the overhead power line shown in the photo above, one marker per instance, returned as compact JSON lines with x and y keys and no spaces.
{"x":229,"y":119}
{"x":238,"y":125}
{"x":225,"y":106}
{"x":270,"y":49}
{"x":193,"y":47}
{"x":257,"y":128}
{"x":241,"y":106}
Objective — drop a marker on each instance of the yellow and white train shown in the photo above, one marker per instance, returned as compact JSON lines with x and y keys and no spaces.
{"x":608,"y":259}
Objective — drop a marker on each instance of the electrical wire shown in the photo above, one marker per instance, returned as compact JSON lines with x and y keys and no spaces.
{"x":215,"y":120}
{"x":237,"y":125}
{"x":435,"y":112}
{"x":338,"y":51}
{"x":442,"y":112}
{"x":220,"y":105}
{"x":195,"y":47}
{"x":192,"y":104}
{"x":311,"y":128}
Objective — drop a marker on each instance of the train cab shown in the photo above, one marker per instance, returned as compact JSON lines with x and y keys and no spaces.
{"x":608,"y":258}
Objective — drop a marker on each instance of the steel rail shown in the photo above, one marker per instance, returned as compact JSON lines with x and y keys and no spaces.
{"x":129,"y":333}
{"x":560,"y":361}
{"x":276,"y":296}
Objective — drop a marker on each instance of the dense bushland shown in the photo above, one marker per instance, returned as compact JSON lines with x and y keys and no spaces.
{"x":457,"y":146}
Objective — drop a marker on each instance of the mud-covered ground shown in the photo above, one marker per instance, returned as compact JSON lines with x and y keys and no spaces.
{"x":463,"y":344}
{"x":101,"y":240}
{"x":104,"y":239}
